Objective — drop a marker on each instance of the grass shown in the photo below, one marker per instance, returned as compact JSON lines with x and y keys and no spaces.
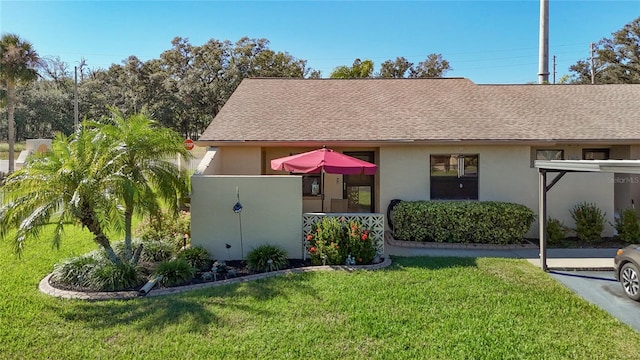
{"x":17,"y":148}
{"x":434,"y":308}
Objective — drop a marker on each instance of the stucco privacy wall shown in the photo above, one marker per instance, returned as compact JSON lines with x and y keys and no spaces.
{"x":505,"y":174}
{"x":272,"y":213}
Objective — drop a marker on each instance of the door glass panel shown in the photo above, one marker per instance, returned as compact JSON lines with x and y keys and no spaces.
{"x":359,"y":198}
{"x":359,"y":189}
{"x":454,"y":177}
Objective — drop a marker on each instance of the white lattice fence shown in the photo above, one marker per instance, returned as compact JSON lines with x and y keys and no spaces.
{"x":372,"y":222}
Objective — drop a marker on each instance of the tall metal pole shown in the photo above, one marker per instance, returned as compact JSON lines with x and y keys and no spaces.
{"x":542,"y":217}
{"x":543,"y":61}
{"x":75,"y":99}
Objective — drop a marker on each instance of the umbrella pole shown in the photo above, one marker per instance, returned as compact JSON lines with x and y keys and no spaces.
{"x":322,"y":192}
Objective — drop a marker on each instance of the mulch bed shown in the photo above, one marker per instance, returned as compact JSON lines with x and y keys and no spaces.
{"x":575,"y":243}
{"x":237,"y":269}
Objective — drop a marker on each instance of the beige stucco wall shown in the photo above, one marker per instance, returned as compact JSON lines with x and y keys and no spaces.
{"x":634,"y":191}
{"x":34,"y":145}
{"x":241,"y":161}
{"x":333,"y":184}
{"x":505,"y":174}
{"x":627,"y":186}
{"x":211,"y":163}
{"x":272,"y":213}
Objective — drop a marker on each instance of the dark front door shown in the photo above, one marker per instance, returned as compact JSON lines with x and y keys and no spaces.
{"x":359,"y":189}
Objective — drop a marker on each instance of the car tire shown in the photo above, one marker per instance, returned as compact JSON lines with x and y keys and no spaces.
{"x":629,"y":278}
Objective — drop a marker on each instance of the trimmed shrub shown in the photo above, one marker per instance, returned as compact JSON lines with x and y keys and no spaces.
{"x":488,"y":222}
{"x":154,"y":251}
{"x":167,"y":227}
{"x":589,"y":220}
{"x":174,"y":272}
{"x":77,"y":271}
{"x":197,"y":257}
{"x":94,"y":271}
{"x":258,"y":258}
{"x":556,"y":231}
{"x":113,"y":277}
{"x":628,"y":226}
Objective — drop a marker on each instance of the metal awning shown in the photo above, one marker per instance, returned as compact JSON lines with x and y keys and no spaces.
{"x":561,"y":167}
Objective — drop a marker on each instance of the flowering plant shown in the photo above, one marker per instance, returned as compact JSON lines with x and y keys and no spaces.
{"x":333,"y":240}
{"x":323,"y":242}
{"x":359,"y":244}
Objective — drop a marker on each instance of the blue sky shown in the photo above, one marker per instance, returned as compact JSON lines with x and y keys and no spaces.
{"x":485,"y":41}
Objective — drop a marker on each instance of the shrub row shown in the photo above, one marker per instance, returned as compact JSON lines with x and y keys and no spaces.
{"x":462,"y":221}
{"x":590,"y":222}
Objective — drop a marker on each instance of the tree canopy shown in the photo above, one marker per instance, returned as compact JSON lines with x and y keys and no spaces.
{"x":617,"y":59}
{"x":183,"y":89}
{"x":433,"y":66}
{"x":358,"y":70}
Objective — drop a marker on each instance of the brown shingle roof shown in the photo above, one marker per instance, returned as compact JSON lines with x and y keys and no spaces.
{"x":397,"y":110}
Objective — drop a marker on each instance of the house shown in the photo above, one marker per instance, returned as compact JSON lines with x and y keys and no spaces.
{"x":432,"y":139}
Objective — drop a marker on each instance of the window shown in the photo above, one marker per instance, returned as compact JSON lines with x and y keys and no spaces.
{"x":595,"y":154}
{"x":549,"y":154}
{"x":454,"y":177}
{"x":310,"y":184}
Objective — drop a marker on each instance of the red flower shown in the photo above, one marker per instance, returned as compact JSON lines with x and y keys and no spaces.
{"x":312,"y":249}
{"x":364,"y":237}
{"x":309,"y":237}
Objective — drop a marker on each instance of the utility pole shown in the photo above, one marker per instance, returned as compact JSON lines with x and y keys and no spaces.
{"x":554,"y":69}
{"x":543,"y":61}
{"x":75,"y":99}
{"x":75,"y":92}
{"x":593,"y":71}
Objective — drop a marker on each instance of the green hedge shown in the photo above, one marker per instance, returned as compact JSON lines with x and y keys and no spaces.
{"x":487,"y":222}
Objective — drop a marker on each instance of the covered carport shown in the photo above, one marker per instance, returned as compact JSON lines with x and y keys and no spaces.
{"x":562,"y":167}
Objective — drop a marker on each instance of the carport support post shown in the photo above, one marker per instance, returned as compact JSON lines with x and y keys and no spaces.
{"x":542,"y":217}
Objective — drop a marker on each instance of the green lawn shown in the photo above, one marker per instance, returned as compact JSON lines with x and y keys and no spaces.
{"x":17,"y":148}
{"x":431,"y":308}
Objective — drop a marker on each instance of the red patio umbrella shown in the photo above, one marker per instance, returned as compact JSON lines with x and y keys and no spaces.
{"x":321,"y":161}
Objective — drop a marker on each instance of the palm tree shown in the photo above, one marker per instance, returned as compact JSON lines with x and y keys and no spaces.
{"x":17,"y":62}
{"x":64,"y":185}
{"x":144,"y":176}
{"x":100,"y":176}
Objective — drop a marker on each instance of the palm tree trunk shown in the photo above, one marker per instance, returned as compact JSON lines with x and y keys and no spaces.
{"x":11,"y":102}
{"x":106,"y":245}
{"x":88,"y":219}
{"x":127,"y":235}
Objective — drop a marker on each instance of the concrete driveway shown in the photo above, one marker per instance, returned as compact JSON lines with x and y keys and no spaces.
{"x":601,"y":289}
